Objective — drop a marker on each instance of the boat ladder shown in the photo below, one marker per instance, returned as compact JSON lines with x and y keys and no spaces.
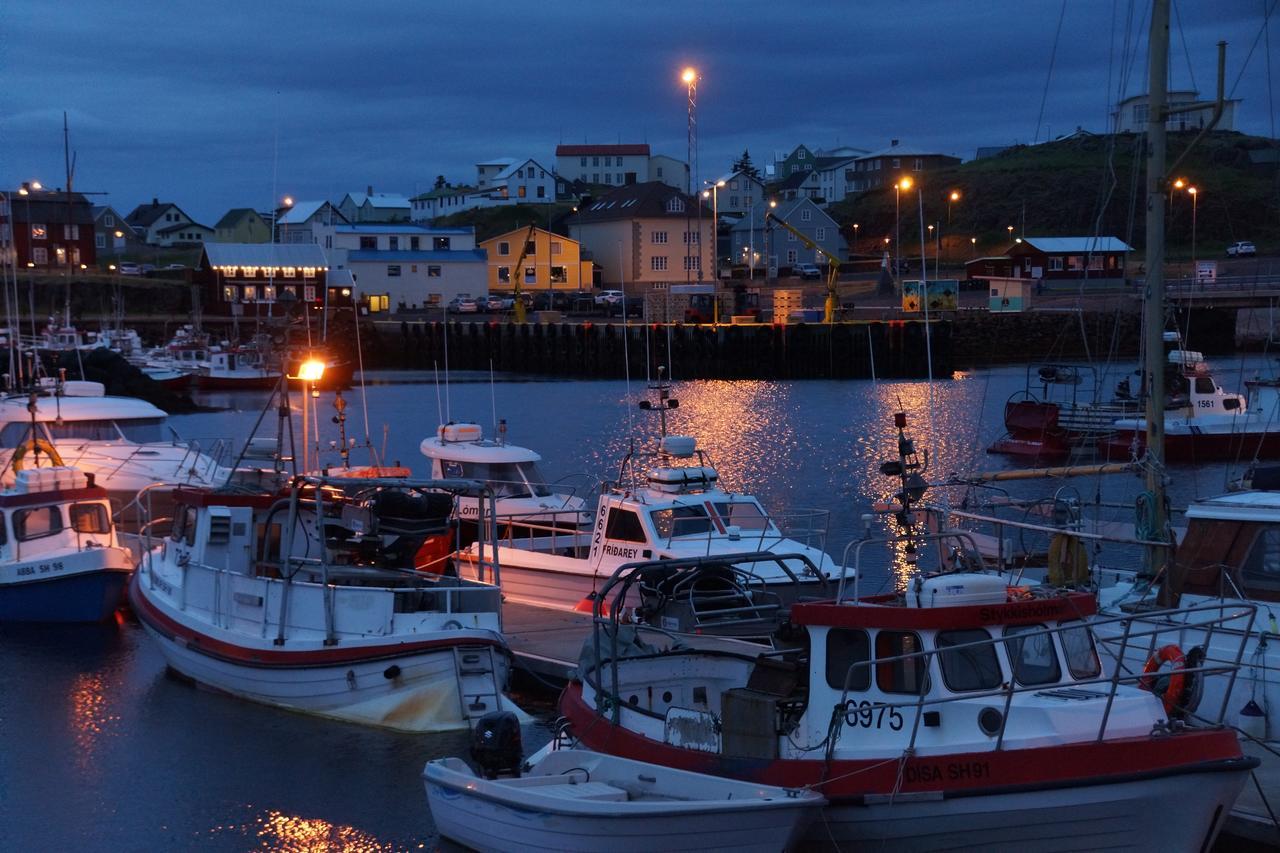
{"x":478,"y":689}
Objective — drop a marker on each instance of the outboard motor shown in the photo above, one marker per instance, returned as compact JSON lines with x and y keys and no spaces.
{"x":496,"y":745}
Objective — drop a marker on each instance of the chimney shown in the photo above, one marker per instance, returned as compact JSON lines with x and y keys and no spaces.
{"x":893,"y":143}
{"x":155,"y":202}
{"x":369,"y":190}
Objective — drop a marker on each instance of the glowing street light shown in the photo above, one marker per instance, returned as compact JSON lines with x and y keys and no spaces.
{"x":855,"y":238}
{"x":310,"y":372}
{"x":951,"y":199}
{"x":1195,"y":196}
{"x":1010,"y":230}
{"x":898,"y":188}
{"x":689,"y":76}
{"x":288,"y":201}
{"x":690,"y":79}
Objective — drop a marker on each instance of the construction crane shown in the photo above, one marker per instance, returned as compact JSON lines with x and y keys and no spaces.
{"x":833,"y":265}
{"x":517,"y":273}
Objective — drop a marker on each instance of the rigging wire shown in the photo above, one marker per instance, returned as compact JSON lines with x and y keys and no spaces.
{"x":1186,"y":52}
{"x":1268,"y":11}
{"x":1053,"y":55}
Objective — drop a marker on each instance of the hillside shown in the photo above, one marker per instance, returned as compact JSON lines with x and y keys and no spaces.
{"x":492,"y":221}
{"x":1061,"y":186}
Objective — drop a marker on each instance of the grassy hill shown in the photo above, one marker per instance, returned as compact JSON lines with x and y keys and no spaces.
{"x":1081,"y":186}
{"x":492,"y":221}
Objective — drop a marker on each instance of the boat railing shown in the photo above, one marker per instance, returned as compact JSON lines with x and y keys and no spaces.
{"x":961,"y":537}
{"x":769,"y":530}
{"x":533,"y":532}
{"x":1147,"y":634}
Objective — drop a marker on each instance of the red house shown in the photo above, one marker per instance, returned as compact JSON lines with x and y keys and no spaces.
{"x":49,"y":230}
{"x":1050,"y":259}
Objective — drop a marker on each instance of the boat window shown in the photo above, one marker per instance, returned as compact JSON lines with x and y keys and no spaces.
{"x":972,"y":668}
{"x":681,"y":521}
{"x":89,"y":518}
{"x":1032,"y":657}
{"x":503,"y":477}
{"x":84,"y":430}
{"x":900,"y":676}
{"x":1261,"y":569}
{"x":1204,"y":385}
{"x":184,"y":524}
{"x":845,"y":648}
{"x":625,"y":525}
{"x":1077,"y":648}
{"x":535,"y":478}
{"x":176,"y":529}
{"x":746,"y":514}
{"x":36,"y":522}
{"x":142,"y":430}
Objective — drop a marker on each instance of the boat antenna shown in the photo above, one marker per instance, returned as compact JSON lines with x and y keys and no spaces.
{"x":448,"y":413}
{"x":493,"y":400}
{"x":364,"y":393}
{"x":435,"y":368}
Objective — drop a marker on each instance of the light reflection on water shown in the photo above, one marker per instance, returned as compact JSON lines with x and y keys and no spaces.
{"x":276,"y":830}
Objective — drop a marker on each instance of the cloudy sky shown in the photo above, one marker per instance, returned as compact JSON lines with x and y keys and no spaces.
{"x":239,"y":102}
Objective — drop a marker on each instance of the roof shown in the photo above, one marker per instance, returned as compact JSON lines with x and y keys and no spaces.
{"x":234,"y":216}
{"x":641,"y":150}
{"x":399,"y":228}
{"x":70,"y":408}
{"x":522,"y":230}
{"x":498,"y":161}
{"x":445,"y":191}
{"x":729,"y":176}
{"x":1083,"y":245}
{"x":378,"y":199}
{"x":146,"y":214}
{"x":518,"y":164}
{"x":462,"y":256}
{"x":904,"y":151}
{"x":647,"y":200}
{"x":302,"y":211}
{"x":341,"y":277}
{"x":183,"y":225}
{"x":50,"y":206}
{"x":794,"y":180}
{"x":265,"y":255}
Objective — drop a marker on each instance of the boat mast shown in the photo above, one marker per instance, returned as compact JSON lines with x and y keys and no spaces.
{"x":1153,"y":304}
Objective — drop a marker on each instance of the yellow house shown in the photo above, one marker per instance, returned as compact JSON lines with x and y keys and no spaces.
{"x":551,"y":261}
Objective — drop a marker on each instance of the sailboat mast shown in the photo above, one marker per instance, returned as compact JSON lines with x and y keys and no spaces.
{"x":1153,"y":306}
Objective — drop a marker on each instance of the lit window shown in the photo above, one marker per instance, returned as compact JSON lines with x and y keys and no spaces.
{"x":39,"y":232}
{"x":504,"y":274}
{"x":559,"y":275}
{"x":433,"y":271}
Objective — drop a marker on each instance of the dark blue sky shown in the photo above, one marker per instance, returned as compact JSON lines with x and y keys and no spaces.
{"x":233,"y":104}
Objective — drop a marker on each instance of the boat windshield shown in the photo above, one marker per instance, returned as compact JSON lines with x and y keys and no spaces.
{"x":138,"y":430}
{"x":505,"y":478}
{"x":681,"y":521}
{"x":535,"y":478}
{"x":747,"y":515}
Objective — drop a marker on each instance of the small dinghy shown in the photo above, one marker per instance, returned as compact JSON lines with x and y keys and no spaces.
{"x":576,"y":799}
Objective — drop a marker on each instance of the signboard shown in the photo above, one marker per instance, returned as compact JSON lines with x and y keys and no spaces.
{"x":1206,"y":272}
{"x":942,"y":295}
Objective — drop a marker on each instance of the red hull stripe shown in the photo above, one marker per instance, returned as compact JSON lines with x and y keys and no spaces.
{"x":283,"y":659}
{"x":1067,"y":607}
{"x":958,"y":774}
{"x":1199,"y":447}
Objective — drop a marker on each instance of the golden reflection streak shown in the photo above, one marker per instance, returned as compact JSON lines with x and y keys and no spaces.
{"x":296,"y":834}
{"x":91,"y":716}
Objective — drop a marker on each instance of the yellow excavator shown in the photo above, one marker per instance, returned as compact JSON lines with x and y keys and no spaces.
{"x":517,"y":274}
{"x":833,"y":265}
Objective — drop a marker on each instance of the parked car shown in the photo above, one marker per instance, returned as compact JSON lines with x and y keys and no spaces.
{"x":128,"y":268}
{"x":176,"y":266}
{"x":462,"y":304}
{"x":1242,"y":249}
{"x":609,"y":297}
{"x":498,"y":303}
{"x":807,"y":271}
{"x":147,"y":268}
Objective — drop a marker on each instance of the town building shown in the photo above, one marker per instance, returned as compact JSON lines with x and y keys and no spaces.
{"x":369,"y":206}
{"x":669,"y":171}
{"x":619,"y":165}
{"x":887,"y":166}
{"x":409,"y":266}
{"x":1131,"y":114}
{"x":112,"y":235}
{"x":551,"y":261}
{"x":443,"y":201}
{"x":164,"y":224}
{"x":258,"y":280}
{"x":242,"y":225}
{"x":755,"y":242}
{"x":646,"y":235}
{"x":1049,"y":259}
{"x":797,"y":185}
{"x":739,"y":194}
{"x":47,"y":231}
{"x":309,"y":222}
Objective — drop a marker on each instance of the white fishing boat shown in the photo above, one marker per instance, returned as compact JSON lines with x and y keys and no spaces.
{"x":60,"y":560}
{"x":578,"y":800}
{"x":958,"y":714}
{"x":309,"y":600}
{"x":459,"y":451}
{"x":246,"y":368}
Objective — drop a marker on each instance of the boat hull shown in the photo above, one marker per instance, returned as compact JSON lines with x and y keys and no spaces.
{"x":264,"y":382}
{"x":89,"y":596}
{"x":406,"y":686}
{"x":1196,"y":445}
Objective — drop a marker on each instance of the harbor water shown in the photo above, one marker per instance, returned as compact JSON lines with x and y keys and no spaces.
{"x":102,"y":750}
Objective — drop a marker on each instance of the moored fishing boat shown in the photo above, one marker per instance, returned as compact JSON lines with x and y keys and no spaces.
{"x":957,"y":714}
{"x":60,"y":560}
{"x":308,"y":600}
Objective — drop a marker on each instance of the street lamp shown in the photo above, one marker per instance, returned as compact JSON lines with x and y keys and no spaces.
{"x":951,"y":199}
{"x":715,"y":227}
{"x":855,"y":238}
{"x":690,"y":79}
{"x":1010,"y":230}
{"x":1195,"y":196}
{"x":1176,"y":185}
{"x":310,"y":372}
{"x":904,"y":184}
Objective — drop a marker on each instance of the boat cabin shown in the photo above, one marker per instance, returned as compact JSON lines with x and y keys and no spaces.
{"x":80,"y":411}
{"x":1232,"y":546}
{"x":459,"y":451}
{"x":50,"y":511}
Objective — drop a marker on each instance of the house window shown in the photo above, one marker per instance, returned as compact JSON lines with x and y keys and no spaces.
{"x":504,"y":248}
{"x":39,"y":232}
{"x":659,"y":172}
{"x":530,"y":249}
{"x":595,"y":177}
{"x":100,"y":241}
{"x":290,"y":272}
{"x":608,"y":161}
{"x":1095,"y":262}
{"x":559,"y":275}
{"x":555,"y":247}
{"x":608,"y":179}
{"x":542,"y":191}
{"x":658,"y":263}
{"x":733,"y":185}
{"x":250,"y":293}
{"x":582,"y":161}
{"x":71,"y":232}
{"x":530,"y":275}
{"x":521,"y":191}
{"x":800,"y":154}
{"x":228,"y":293}
{"x":393,"y":243}
{"x":791,"y":256}
{"x":269,"y":292}
{"x":1075,"y":262}
{"x":675,"y":204}
{"x":415,"y":243}
{"x":733,"y":201}
{"x":393,"y":270}
{"x":820,"y":234}
{"x":1055,"y":263}
{"x":919,"y":165}
{"x":440,"y":244}
{"x":109,"y":220}
{"x":658,"y":237}
{"x":897,"y":162}
{"x":692,"y":263}
{"x":794,"y":168}
{"x":595,"y":161}
{"x":40,"y":255}
{"x":791,"y":237}
{"x":618,"y":179}
{"x":369,"y":243}
{"x":309,"y":293}
{"x":433,"y":270}
{"x":806,"y":215}
{"x":504,"y":273}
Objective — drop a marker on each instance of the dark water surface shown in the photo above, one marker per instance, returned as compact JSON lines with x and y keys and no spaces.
{"x":101,"y":750}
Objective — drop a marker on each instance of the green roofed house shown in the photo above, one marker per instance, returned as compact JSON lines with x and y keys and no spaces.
{"x":242,"y":225}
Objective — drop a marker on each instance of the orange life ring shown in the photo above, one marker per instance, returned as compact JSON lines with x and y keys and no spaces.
{"x":38,"y":445}
{"x":1172,"y":695}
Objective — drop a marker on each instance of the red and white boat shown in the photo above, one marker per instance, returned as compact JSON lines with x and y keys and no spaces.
{"x":237,"y":369}
{"x":245,"y":596}
{"x":959,"y":714}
